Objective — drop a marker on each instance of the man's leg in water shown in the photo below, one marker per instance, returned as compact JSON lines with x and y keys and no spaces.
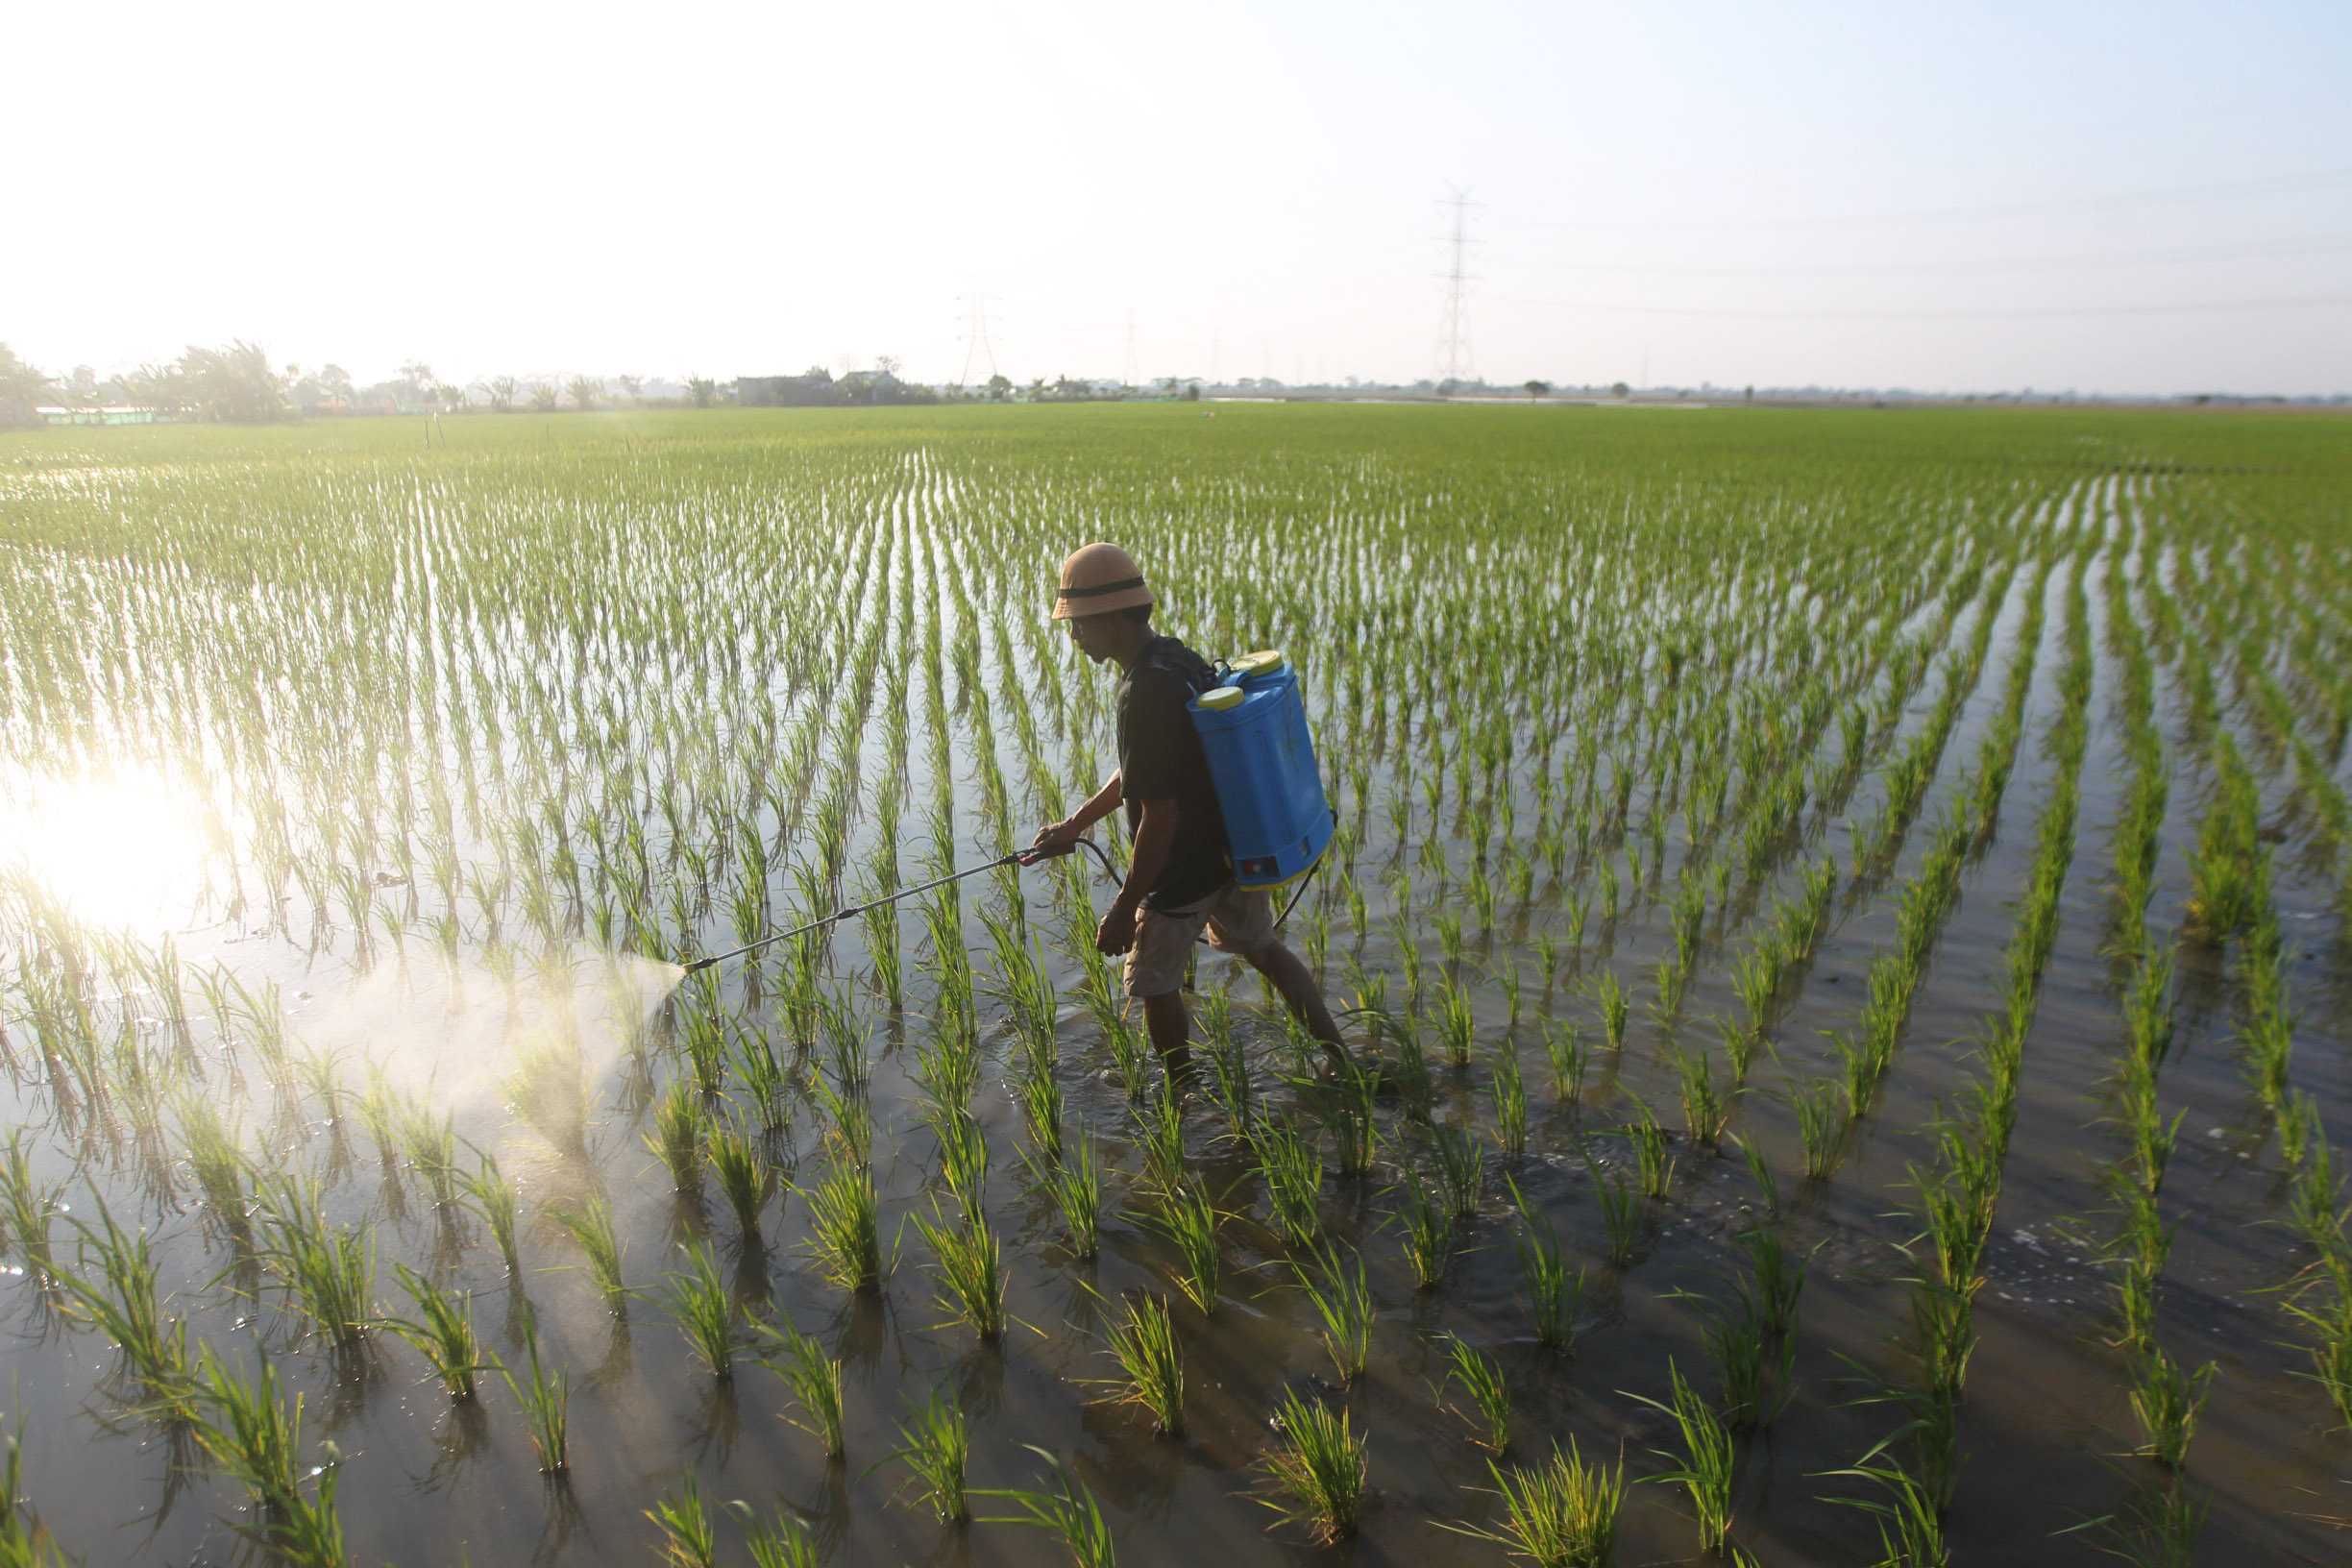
{"x":1170,"y":1024}
{"x":1289,"y":976}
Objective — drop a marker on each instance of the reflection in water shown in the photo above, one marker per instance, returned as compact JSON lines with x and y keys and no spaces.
{"x":461,"y":1435}
{"x":118,"y":851}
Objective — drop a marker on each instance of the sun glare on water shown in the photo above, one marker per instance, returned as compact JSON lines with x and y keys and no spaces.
{"x":124,"y":849}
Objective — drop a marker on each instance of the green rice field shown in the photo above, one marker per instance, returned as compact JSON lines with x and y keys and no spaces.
{"x":1843,"y":916}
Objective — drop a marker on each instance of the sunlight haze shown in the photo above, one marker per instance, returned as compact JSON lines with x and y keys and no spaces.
{"x":1974,"y":196}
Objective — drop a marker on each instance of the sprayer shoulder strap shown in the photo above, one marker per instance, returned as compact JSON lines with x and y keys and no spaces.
{"x":1171,"y":657}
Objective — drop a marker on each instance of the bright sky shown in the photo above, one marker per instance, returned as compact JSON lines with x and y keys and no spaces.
{"x":1947,"y":197}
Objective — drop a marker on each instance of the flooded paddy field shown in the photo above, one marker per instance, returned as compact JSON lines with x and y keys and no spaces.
{"x":1842,"y":917}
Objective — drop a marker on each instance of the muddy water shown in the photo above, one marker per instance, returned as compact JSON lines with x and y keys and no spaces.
{"x":2046,"y":1419}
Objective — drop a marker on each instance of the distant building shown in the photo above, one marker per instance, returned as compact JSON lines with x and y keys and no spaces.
{"x":786,"y":391}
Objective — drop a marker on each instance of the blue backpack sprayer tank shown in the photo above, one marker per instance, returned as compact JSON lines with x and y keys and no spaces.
{"x":1261,"y":759}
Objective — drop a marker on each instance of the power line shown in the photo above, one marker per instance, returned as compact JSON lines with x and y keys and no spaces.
{"x":2284,"y":248}
{"x":2221,"y":190}
{"x":2301,"y":302}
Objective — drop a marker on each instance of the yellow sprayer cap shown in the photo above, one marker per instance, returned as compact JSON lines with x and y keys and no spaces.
{"x":1264,"y":662}
{"x":1218,"y":700}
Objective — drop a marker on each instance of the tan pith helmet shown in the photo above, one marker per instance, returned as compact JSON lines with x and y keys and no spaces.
{"x":1098,"y":578}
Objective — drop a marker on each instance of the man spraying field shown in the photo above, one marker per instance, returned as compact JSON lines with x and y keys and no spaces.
{"x":1181,"y":878}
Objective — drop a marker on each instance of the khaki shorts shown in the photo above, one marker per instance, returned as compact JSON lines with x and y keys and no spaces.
{"x":1238,"y":922}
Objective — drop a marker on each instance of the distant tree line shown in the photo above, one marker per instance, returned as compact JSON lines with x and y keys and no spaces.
{"x":236,"y":384}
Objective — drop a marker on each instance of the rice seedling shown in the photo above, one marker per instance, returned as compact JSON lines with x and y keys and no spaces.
{"x":1510,"y":1104}
{"x":1705,"y":1468}
{"x":1292,"y":1170}
{"x":1187,"y":1221}
{"x":1759,"y":1169}
{"x":499,"y":1204}
{"x":1736,"y":1339}
{"x":1487,"y":1390}
{"x":1426,"y":1232}
{"x":679,"y":1124}
{"x":935,"y":1446}
{"x":704,"y":1308}
{"x":1777,"y":1281}
{"x":1039,"y":1095}
{"x":845,"y":1238}
{"x":1621,"y":1218}
{"x":1316,"y":1469}
{"x":327,"y":1270}
{"x":547,"y":1088}
{"x":813,"y":1379}
{"x":546,"y":1402}
{"x":24,"y":1543}
{"x":1553,"y":1293}
{"x":1158,"y":1125}
{"x":1143,"y":1343}
{"x":963,"y":1156}
{"x":1562,"y":1514}
{"x":971,"y":1268}
{"x":1614,"y":1007}
{"x":1910,"y":1520}
{"x":688,"y":1537}
{"x":442,"y":1331}
{"x":743,"y":1175}
{"x":1068,"y":1511}
{"x":1821,"y":1126}
{"x":250,"y":1433}
{"x":1565,"y":1050}
{"x":1650,"y":1155}
{"x":1344,"y":1313}
{"x":1457,"y":1024}
{"x":2159,"y":1530}
{"x":255,"y":1437}
{"x":127,"y":1303}
{"x":218,"y":1162}
{"x":25,"y":1203}
{"x":778,"y":1542}
{"x":590,"y":1226}
{"x":1704,"y":1111}
{"x":2165,"y":1399}
{"x":1460,"y":1170}
{"x":1075,"y":1186}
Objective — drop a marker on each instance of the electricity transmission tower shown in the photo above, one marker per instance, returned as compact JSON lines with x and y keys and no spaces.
{"x":976,"y":346}
{"x":1130,"y":379}
{"x":1454,"y":345}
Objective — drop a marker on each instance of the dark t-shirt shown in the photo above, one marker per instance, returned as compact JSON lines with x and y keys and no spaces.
{"x":1161,"y":759}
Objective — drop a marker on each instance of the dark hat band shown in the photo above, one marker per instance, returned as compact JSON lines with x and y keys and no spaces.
{"x":1099,"y":592}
